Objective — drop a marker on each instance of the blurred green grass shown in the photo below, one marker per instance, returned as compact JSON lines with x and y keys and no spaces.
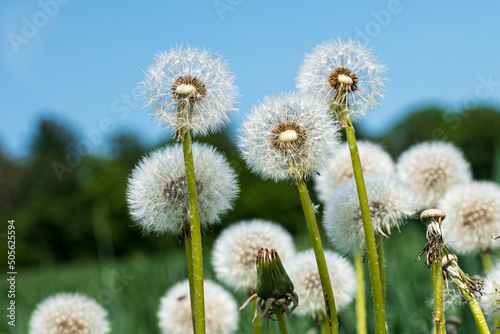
{"x":131,"y":288}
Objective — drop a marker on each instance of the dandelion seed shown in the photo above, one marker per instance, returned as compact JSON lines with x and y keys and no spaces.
{"x":221,"y":310}
{"x":473,"y":221}
{"x":390,"y":202}
{"x":431,"y":168}
{"x":288,"y":136}
{"x":69,"y":313}
{"x":336,"y":67}
{"x":236,"y":249}
{"x":490,"y":300}
{"x":304,"y":273}
{"x":157,"y":191}
{"x":196,"y":80}
{"x":373,"y":160}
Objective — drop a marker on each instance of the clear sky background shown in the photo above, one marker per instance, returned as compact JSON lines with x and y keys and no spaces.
{"x":82,"y":60}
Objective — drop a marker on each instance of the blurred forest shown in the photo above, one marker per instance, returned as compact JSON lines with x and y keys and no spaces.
{"x":71,"y":206}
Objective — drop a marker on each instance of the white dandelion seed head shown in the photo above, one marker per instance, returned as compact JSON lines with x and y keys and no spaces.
{"x":221,"y":310}
{"x":390,"y":203}
{"x":374,"y":159}
{"x":288,"y":136}
{"x":69,"y":313}
{"x":303,"y":272}
{"x":196,"y":77}
{"x":490,"y":298}
{"x":157,"y":190}
{"x":431,"y":168}
{"x":235,"y":251}
{"x":472,"y":216}
{"x":358,"y":70}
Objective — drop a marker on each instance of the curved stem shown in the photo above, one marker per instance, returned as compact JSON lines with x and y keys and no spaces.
{"x":256,"y":322}
{"x":437,"y":288}
{"x":360,"y":296}
{"x":195,"y":230}
{"x":330,"y":310}
{"x":477,"y":313}
{"x":381,"y":263}
{"x":487,"y":264}
{"x":280,"y":316}
{"x":371,"y":248}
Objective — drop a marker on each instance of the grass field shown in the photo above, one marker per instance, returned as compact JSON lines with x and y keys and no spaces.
{"x":130,"y":289}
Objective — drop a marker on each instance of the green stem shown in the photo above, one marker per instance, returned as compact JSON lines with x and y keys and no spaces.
{"x":360,"y":296}
{"x":496,"y":323}
{"x":437,"y":288}
{"x":381,"y":264}
{"x":280,"y":316}
{"x":487,"y":264}
{"x":331,"y":312}
{"x":477,"y":313}
{"x":195,"y":231}
{"x":256,"y":323}
{"x":324,"y":327}
{"x":371,"y":248}
{"x":189,"y":258}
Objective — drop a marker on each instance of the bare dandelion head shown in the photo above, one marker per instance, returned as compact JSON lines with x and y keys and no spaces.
{"x":390,"y":203}
{"x":343,"y":69}
{"x":305,"y":276}
{"x":473,"y":221}
{"x":288,"y":136}
{"x":157,"y":189}
{"x":374,"y":159}
{"x":189,"y":89}
{"x":236,"y":249}
{"x":221,"y":310}
{"x":69,"y":313}
{"x":431,"y":168}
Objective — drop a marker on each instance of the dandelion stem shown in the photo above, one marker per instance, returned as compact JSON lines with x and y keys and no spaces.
{"x":487,"y":264}
{"x":330,"y":310}
{"x":195,"y":230}
{"x":381,"y":264}
{"x":437,"y":288}
{"x":477,"y":313}
{"x":371,"y":247}
{"x":189,"y":258}
{"x":324,"y":327}
{"x":256,"y":322}
{"x":280,"y":316}
{"x":360,"y":296}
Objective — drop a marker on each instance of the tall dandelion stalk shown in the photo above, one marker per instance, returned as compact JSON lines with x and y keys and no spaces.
{"x":290,"y":137}
{"x":190,"y":91}
{"x":347,"y":77}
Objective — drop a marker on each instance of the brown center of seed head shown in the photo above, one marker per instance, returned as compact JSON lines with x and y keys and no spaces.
{"x":342,"y":79}
{"x":177,"y":189}
{"x":189,"y":87}
{"x":477,"y":215}
{"x":288,"y":136}
{"x":70,"y":325}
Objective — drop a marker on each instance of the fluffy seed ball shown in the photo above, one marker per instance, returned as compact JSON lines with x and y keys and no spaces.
{"x":69,"y":313}
{"x":490,"y":299}
{"x":157,"y":190}
{"x":373,"y":160}
{"x":288,"y":136}
{"x":235,"y":251}
{"x":221,"y":310}
{"x":390,"y":203}
{"x":431,"y":168}
{"x":305,"y":276}
{"x":472,"y":216}
{"x":195,"y":77}
{"x":347,"y":66}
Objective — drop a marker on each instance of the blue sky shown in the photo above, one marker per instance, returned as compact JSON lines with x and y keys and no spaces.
{"x":82,"y":60}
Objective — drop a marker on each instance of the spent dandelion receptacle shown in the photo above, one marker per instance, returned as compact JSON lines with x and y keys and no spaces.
{"x":69,"y":313}
{"x":190,"y":89}
{"x":157,"y":192}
